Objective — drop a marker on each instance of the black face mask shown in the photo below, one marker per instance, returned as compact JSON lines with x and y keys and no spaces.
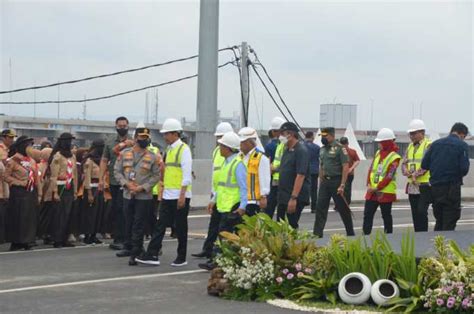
{"x":325,"y":141}
{"x":143,"y":143}
{"x":122,"y":131}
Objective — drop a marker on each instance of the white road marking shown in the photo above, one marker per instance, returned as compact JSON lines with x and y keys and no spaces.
{"x":460,"y":222}
{"x":94,"y":281}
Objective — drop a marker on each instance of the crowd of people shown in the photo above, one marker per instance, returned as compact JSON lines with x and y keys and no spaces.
{"x":125,"y":189}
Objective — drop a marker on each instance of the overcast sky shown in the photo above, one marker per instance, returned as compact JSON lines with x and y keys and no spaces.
{"x":399,"y":55}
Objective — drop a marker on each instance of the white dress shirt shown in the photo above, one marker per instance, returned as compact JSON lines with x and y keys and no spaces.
{"x":186,"y":167}
{"x":264,"y":174}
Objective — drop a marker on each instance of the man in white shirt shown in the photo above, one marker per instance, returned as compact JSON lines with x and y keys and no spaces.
{"x":176,"y":196}
{"x":258,"y":170}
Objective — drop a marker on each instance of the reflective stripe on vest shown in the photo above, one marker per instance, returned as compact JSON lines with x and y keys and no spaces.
{"x":228,"y":191}
{"x":414,"y":158}
{"x":173,"y":173}
{"x":217,"y":162}
{"x":253,"y":178}
{"x":155,"y":150}
{"x":378,"y":172}
{"x":277,"y":161}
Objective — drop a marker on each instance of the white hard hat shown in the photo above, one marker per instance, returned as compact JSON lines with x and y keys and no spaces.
{"x":385,"y":134}
{"x":171,"y":125}
{"x":231,"y":140}
{"x":416,"y":125}
{"x":222,"y":128}
{"x":247,"y":133}
{"x":277,"y":123}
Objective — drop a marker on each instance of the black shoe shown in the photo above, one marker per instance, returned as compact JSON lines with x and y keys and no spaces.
{"x":116,"y":246}
{"x":207,"y":266}
{"x":68,"y":244}
{"x":202,"y":254}
{"x":57,"y":245}
{"x":96,"y":241}
{"x":178,"y":262}
{"x":15,"y":247}
{"x":123,"y":253}
{"x":87,"y":240}
{"x":47,"y":241}
{"x":132,"y":261}
{"x":148,"y":260}
{"x":28,"y":247}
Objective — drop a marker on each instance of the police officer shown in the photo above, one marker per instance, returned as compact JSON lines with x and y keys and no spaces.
{"x":174,"y":206}
{"x":6,"y":140}
{"x":334,"y":169}
{"x":137,"y":171}
{"x":217,"y":162}
{"x":418,"y":186}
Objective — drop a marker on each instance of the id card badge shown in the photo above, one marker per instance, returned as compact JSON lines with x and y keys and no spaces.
{"x":131,"y":175}
{"x":412,"y":168}
{"x":379,"y":169}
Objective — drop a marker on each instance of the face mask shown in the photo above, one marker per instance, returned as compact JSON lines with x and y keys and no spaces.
{"x":283,"y":139}
{"x":324,"y":141}
{"x":143,"y":143}
{"x":122,"y":131}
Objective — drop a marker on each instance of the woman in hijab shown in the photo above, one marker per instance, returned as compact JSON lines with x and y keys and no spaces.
{"x":92,"y":200}
{"x":21,"y":174}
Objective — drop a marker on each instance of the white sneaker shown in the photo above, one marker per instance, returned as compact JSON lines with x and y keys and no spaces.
{"x":148,"y":260}
{"x":179,"y":263}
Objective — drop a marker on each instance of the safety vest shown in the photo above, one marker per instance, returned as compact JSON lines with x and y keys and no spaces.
{"x":155,"y":150}
{"x":277,"y":161}
{"x":253,"y":178}
{"x":379,"y":170}
{"x":415,"y":157}
{"x":228,"y":191}
{"x":217,"y":162}
{"x":173,"y":173}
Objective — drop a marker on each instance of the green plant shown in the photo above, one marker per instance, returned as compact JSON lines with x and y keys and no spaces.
{"x":404,"y":264}
{"x":318,"y":287}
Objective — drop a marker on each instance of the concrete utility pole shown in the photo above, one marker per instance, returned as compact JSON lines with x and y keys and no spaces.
{"x":206,"y":108}
{"x":244,"y":117}
{"x":59,"y":105}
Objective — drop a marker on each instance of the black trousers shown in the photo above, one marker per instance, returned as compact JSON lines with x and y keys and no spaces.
{"x":212,"y":231}
{"x":136,"y":216}
{"x":62,"y":216}
{"x":348,"y":189}
{"x":169,"y":214}
{"x":446,"y":206}
{"x":118,"y":217}
{"x":272,"y":201}
{"x":3,"y":216}
{"x":419,"y":204}
{"x":327,"y":190}
{"x":314,"y":192}
{"x":293,"y":218}
{"x":369,"y":211}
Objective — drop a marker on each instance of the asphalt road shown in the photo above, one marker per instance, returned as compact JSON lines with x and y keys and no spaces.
{"x":89,"y":279}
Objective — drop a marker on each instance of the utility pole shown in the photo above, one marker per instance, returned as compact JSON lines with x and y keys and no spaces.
{"x":371,"y":115}
{"x":59,"y":108}
{"x":84,"y":109}
{"x":34,"y":100}
{"x":155,"y":114}
{"x":244,"y":118}
{"x":147,"y":109}
{"x":11,"y":86}
{"x":206,"y":107}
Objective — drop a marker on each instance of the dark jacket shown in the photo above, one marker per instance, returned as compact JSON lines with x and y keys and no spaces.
{"x":313,"y":151}
{"x":270,"y":149}
{"x":447,"y":160}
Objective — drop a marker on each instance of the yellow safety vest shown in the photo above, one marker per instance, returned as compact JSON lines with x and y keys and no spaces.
{"x":414,"y":158}
{"x":173,"y":173}
{"x":217,"y":162}
{"x":277,"y":161}
{"x":228,"y":191}
{"x":155,"y":150}
{"x":253,"y":178}
{"x":379,"y":170}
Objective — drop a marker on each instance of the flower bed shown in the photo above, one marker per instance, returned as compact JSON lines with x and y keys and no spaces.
{"x":269,"y":260}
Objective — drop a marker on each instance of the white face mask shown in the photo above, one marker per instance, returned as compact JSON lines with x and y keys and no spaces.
{"x":283,"y":139}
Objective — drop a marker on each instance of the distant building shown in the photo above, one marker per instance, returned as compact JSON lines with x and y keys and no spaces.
{"x":338,"y":116}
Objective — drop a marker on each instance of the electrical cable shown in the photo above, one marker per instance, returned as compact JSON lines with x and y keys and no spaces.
{"x":108,"y":74}
{"x":109,"y":96}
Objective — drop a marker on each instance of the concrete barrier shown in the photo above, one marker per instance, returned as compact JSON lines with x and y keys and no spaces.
{"x":202,"y":183}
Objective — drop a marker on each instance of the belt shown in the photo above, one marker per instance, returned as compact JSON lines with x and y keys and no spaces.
{"x":332,"y":177}
{"x":94,"y":185}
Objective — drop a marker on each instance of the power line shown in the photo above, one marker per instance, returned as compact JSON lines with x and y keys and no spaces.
{"x":113,"y":95}
{"x":276,"y":88}
{"x":108,"y":74}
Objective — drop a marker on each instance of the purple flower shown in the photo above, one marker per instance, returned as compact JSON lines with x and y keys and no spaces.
{"x":308,"y":270}
{"x":298,"y":266}
{"x":465,"y":303}
{"x":450,"y":304}
{"x":285,"y":271}
{"x":290,"y":276}
{"x":279,"y":279}
{"x":439,"y":302}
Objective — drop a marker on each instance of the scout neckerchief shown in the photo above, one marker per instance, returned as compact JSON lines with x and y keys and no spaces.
{"x":26,"y":164}
{"x":69,"y":174}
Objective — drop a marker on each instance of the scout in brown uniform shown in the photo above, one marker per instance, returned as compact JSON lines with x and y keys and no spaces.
{"x":93,"y":200}
{"x":22,"y":176}
{"x":62,"y":191}
{"x":45,"y":212}
{"x":6,"y":140}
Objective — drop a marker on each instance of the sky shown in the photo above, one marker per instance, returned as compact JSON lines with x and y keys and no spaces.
{"x":404,"y":59}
